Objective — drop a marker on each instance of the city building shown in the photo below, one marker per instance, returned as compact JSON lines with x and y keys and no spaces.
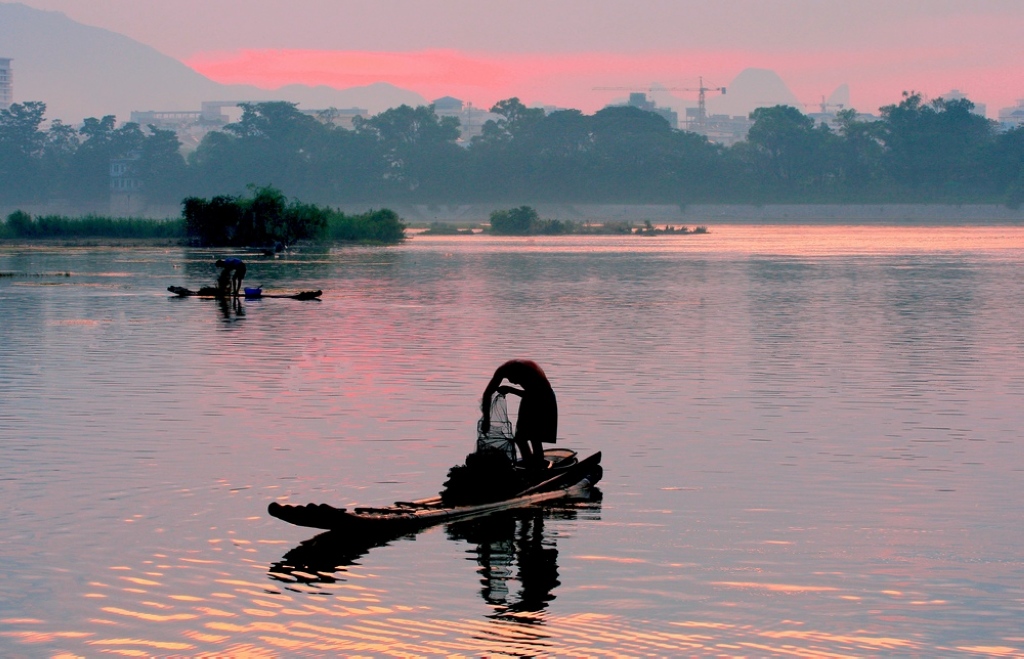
{"x":6,"y":83}
{"x":1012,"y":117}
{"x":447,"y":106}
{"x":718,"y":128}
{"x":640,"y":100}
{"x":548,"y":109}
{"x":168,"y":120}
{"x":722,"y":128}
{"x":211,"y":114}
{"x":189,"y":125}
{"x":126,"y":194}
{"x":471,"y":119}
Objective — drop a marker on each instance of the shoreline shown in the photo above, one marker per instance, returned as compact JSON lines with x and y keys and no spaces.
{"x":711,"y":214}
{"x":678,"y":214}
{"x":92,"y":242}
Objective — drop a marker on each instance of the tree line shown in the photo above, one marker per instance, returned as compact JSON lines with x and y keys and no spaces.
{"x":937,"y":152}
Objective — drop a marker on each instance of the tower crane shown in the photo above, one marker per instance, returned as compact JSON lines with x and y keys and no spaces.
{"x":825,"y":106}
{"x":702,"y":112}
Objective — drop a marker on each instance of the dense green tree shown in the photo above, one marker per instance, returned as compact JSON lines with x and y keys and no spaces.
{"x":265,"y":218}
{"x":633,"y":156}
{"x":273,"y":142}
{"x":21,"y":147}
{"x":1006,"y":167}
{"x":935,"y":148}
{"x":341,"y":164}
{"x":916,"y":151}
{"x":857,"y":155}
{"x":275,"y":121}
{"x":20,"y":127}
{"x":89,"y":170}
{"x":377,"y":226}
{"x":162,"y":167}
{"x":514,"y":119}
{"x":62,"y":142}
{"x":793,"y":153}
{"x":553,"y":153}
{"x":514,"y":222}
{"x":561,"y":134}
{"x":417,"y":146}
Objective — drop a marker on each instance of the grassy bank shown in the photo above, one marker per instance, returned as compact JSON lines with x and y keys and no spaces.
{"x":379,"y":226}
{"x":22,"y":226}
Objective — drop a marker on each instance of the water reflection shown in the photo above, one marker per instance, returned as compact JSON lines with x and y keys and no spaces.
{"x":513,"y":547}
{"x":516,"y":555}
{"x":321,"y":559}
{"x":813,"y":432}
{"x":231,"y":309}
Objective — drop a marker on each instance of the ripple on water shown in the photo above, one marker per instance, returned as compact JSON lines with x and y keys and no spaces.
{"x":810,"y":439}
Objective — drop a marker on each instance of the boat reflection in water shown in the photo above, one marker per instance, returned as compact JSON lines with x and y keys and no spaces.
{"x":510,"y":546}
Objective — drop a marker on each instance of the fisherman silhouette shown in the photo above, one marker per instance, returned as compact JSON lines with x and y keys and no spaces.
{"x":230,"y":280}
{"x":537,"y":420}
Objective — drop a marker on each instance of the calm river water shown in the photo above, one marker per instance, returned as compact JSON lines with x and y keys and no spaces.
{"x":812,"y":443}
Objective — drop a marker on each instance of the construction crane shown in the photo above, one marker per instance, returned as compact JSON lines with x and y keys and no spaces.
{"x":702,"y":111}
{"x":825,"y":106}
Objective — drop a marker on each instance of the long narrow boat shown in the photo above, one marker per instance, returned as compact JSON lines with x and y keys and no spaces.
{"x":571,"y":482}
{"x":212,"y":293}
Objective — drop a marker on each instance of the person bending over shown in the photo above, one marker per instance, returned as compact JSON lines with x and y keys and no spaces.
{"x":230,"y":280}
{"x":537,"y":421}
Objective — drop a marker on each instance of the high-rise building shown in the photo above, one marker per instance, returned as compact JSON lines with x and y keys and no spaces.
{"x":471,"y":119}
{"x":6,"y":83}
{"x":640,"y":100}
{"x":1012,"y":117}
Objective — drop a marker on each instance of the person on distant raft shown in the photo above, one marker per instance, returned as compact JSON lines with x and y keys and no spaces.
{"x":230,"y":280}
{"x":537,"y":421}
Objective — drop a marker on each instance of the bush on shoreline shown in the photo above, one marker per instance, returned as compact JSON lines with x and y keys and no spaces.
{"x":267,"y":219}
{"x":378,"y":226}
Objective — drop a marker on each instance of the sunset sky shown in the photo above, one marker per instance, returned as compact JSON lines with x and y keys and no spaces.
{"x":556,"y":51}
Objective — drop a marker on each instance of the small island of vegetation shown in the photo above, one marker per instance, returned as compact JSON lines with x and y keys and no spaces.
{"x":525,"y":221}
{"x":267,"y":218}
{"x":446,"y":229}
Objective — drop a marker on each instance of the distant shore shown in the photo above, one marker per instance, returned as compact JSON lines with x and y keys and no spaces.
{"x":92,"y":242}
{"x":712,"y":214}
{"x":668,"y":214}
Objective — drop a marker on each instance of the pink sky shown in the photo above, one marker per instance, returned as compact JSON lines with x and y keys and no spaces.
{"x":570,"y":79}
{"x":555,"y":51}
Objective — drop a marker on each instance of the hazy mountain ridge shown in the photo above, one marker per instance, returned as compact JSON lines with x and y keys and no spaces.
{"x":82,"y":71}
{"x":751,"y":89}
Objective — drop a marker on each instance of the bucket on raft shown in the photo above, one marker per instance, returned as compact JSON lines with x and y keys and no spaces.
{"x":253,"y":292}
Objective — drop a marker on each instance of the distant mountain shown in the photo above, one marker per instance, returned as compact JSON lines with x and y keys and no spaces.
{"x":840,"y":97}
{"x":81,"y":71}
{"x":752,"y":89}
